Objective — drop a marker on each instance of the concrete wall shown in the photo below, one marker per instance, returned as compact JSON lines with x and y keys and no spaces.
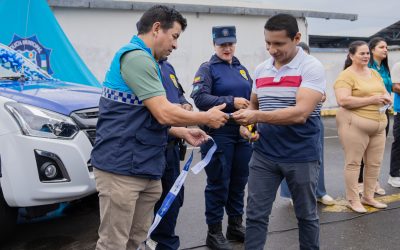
{"x":97,"y":34}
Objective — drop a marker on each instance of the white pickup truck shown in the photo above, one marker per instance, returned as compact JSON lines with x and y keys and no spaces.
{"x":47,"y":129}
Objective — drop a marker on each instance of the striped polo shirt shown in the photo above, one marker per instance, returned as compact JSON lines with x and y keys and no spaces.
{"x":277,"y":89}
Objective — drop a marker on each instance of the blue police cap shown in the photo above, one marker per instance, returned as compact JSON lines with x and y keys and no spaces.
{"x":224,"y":34}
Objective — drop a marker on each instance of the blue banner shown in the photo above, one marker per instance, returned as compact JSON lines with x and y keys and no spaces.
{"x":30,"y":27}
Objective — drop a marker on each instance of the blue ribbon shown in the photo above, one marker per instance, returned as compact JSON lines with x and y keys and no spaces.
{"x":169,"y":199}
{"x":203,"y":163}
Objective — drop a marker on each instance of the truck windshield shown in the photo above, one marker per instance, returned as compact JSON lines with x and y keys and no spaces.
{"x":15,"y":66}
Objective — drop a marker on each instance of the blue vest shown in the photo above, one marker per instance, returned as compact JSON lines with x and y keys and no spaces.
{"x":129,"y":140}
{"x":114,"y":79}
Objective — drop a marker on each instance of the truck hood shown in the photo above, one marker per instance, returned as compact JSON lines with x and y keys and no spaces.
{"x":58,"y":96}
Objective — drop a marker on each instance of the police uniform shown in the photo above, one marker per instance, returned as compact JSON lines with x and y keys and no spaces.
{"x":129,"y":151}
{"x":164,"y":234}
{"x":217,"y":82}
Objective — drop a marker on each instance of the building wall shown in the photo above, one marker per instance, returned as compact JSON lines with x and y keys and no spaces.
{"x":97,"y":34}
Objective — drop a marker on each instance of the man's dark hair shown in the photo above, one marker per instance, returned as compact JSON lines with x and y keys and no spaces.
{"x":283,"y":22}
{"x":160,"y":13}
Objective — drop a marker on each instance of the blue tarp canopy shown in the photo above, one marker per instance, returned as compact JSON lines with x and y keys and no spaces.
{"x":30,"y":27}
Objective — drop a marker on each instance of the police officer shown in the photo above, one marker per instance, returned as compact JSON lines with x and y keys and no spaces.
{"x":164,"y":234}
{"x":224,"y":80}
{"x":131,"y":135}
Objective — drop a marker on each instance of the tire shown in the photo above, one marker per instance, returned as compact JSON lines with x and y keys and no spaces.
{"x":8,"y":218}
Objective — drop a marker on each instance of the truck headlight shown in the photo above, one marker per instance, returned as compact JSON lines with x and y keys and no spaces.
{"x":39,"y":122}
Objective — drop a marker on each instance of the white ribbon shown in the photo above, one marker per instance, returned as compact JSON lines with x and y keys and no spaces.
{"x":169,"y":199}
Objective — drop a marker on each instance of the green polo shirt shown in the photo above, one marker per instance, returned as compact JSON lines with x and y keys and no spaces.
{"x":140,"y":73}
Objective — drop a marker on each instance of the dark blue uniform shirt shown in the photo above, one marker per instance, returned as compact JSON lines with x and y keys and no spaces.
{"x":217,"y":82}
{"x":171,"y":83}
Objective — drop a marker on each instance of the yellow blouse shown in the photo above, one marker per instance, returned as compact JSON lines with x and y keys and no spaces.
{"x":362,"y":87}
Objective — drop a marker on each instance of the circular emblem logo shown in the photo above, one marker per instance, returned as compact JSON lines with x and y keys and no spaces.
{"x":225,"y":32}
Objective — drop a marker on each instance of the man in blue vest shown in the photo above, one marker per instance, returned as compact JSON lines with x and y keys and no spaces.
{"x":134,"y":121}
{"x":164,"y":234}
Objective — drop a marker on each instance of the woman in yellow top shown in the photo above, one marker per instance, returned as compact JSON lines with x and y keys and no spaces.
{"x":361,"y":121}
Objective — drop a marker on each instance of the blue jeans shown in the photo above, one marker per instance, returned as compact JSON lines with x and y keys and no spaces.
{"x":264,"y":179}
{"x":321,"y":191}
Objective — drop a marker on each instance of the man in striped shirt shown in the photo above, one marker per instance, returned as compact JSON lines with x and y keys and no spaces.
{"x":285,"y":105}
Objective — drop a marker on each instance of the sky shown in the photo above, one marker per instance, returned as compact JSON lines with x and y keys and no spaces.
{"x":373,"y":15}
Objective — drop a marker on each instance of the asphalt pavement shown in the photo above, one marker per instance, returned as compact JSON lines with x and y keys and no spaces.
{"x":340,"y":228}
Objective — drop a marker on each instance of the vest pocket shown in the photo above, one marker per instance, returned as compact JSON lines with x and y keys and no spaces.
{"x":148,"y":156}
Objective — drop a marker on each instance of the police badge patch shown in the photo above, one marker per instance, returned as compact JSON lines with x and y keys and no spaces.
{"x":243,"y":73}
{"x":173,"y":79}
{"x":32,"y":49}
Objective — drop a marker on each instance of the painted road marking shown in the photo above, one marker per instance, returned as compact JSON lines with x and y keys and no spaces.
{"x":340,"y":205}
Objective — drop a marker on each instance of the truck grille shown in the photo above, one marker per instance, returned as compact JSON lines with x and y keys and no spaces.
{"x":89,"y":114}
{"x":86,"y":120}
{"x":91,"y":134}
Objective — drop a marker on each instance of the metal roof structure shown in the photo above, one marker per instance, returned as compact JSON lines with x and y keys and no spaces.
{"x":198,"y":8}
{"x":391,"y":34}
{"x":316,"y":41}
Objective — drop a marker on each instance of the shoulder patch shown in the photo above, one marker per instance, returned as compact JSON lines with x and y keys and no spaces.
{"x":196,"y":88}
{"x":173,"y":79}
{"x":243,"y":73}
{"x":197,"y":79}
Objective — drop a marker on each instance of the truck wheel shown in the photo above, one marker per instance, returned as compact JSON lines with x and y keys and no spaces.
{"x":8,"y":218}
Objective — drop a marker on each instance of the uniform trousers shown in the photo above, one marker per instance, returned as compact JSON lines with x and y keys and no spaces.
{"x":227,"y":174}
{"x":164,"y":234}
